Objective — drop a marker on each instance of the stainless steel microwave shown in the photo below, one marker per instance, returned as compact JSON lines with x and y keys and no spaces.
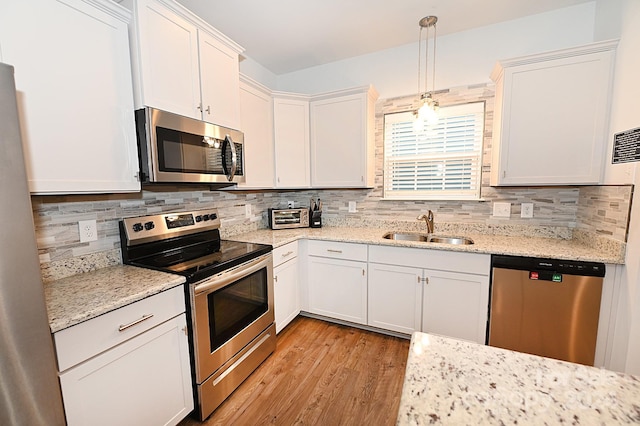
{"x":177,"y":149}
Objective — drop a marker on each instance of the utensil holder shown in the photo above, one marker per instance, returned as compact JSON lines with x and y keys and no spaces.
{"x":316,"y":219}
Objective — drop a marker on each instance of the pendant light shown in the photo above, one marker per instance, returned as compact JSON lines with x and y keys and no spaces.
{"x":428,"y":108}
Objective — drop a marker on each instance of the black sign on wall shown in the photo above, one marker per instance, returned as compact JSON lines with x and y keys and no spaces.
{"x":626,"y":146}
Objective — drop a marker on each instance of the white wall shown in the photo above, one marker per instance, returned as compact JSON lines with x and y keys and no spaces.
{"x":463,"y":58}
{"x":256,"y":71}
{"x":625,"y":116}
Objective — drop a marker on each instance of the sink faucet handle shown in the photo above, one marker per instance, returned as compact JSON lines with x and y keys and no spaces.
{"x":428,"y":218}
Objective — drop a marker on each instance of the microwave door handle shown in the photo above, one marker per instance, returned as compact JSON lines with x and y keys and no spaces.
{"x":234,"y":158}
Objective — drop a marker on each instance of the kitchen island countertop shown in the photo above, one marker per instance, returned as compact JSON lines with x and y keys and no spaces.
{"x":491,"y":244}
{"x":449,"y":381}
{"x":81,"y":297}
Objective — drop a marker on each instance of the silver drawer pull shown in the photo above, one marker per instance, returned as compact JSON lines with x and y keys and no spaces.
{"x":138,"y":321}
{"x":334,"y":251}
{"x":289,"y":253}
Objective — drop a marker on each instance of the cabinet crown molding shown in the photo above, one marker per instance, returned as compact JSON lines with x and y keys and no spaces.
{"x":111,"y":8}
{"x":601,"y":46}
{"x":201,"y":23}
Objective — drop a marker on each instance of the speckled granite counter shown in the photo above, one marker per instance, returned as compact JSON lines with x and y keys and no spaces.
{"x":81,"y":297}
{"x":448,"y":381}
{"x":493,"y":244}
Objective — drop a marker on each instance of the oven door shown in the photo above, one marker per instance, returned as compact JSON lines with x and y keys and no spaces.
{"x":230,"y":310}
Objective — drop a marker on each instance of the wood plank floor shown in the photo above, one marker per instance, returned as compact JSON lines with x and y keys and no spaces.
{"x":320,"y":374}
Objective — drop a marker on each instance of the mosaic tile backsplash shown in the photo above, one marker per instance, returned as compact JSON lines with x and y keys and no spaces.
{"x":558,"y":211}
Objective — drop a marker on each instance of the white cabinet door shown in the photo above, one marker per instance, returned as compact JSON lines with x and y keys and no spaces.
{"x":291,"y":137}
{"x":220,"y":82}
{"x":256,"y":116}
{"x":75,"y":96}
{"x":183,"y":65}
{"x":286,"y":294}
{"x":342,"y":140}
{"x":168,"y":58}
{"x":456,"y":305}
{"x":337,"y":288}
{"x":143,"y":381}
{"x":551,"y":119}
{"x":395,"y":298}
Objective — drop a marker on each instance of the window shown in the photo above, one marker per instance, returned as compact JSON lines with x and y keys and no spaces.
{"x":443,"y":160}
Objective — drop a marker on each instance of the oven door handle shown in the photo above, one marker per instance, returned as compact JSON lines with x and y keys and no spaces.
{"x":225,"y":278}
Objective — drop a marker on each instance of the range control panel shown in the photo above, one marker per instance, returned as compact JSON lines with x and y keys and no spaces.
{"x":144,"y":229}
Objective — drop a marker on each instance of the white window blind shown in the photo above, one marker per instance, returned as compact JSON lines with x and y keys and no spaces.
{"x":442,"y":160}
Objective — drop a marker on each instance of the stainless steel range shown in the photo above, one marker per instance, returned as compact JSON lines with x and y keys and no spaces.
{"x":229,"y":293}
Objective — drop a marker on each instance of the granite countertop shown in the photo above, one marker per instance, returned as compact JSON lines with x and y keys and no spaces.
{"x":493,"y":244}
{"x":84,"y":296}
{"x":450,"y":381}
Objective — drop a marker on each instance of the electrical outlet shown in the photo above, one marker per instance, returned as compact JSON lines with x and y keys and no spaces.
{"x":502,"y":209}
{"x":247,"y":210}
{"x":290,"y":204}
{"x":352,"y":206}
{"x":526,"y":210}
{"x":88,"y":230}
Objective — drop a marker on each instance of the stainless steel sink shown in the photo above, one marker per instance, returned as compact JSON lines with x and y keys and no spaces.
{"x":449,"y":240}
{"x":405,"y":236}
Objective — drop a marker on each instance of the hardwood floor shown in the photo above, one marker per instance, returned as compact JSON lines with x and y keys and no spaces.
{"x":320,"y":374}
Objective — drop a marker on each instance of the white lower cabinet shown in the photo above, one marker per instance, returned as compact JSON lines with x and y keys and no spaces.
{"x":337,"y":280}
{"x":142,"y":377}
{"x":455,"y":305}
{"x":286,"y":289}
{"x":395,"y":297}
{"x":438,"y":292}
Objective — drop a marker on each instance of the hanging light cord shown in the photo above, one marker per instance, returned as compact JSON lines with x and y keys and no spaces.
{"x":426,"y":64}
{"x":433,"y":74}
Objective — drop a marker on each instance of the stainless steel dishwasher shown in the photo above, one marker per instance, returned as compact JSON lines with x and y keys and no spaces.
{"x":546,"y":307}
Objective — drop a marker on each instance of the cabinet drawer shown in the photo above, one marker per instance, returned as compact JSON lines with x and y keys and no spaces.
{"x":337,"y":250}
{"x":85,"y":340}
{"x":283,"y":253}
{"x":443,"y":260}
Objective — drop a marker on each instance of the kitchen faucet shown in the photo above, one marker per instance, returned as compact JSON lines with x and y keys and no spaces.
{"x":428,"y":218}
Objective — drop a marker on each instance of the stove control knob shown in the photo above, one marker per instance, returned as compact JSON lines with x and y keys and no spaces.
{"x":198,"y":218}
{"x":213,"y":216}
{"x":149,"y":226}
{"x":205,"y":217}
{"x":137,"y":227}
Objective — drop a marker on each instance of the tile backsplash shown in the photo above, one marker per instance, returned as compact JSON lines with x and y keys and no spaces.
{"x":558,"y":211}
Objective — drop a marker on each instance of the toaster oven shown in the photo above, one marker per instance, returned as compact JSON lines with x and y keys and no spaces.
{"x":288,"y":218}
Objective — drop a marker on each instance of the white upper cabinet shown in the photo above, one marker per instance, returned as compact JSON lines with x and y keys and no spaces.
{"x":291,"y":137}
{"x":75,"y":98}
{"x":183,"y":65}
{"x":220,"y":81}
{"x":256,"y":120}
{"x":551,"y":117}
{"x":342,"y":139}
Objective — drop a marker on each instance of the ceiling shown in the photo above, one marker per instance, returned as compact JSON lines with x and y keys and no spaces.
{"x":289,"y":35}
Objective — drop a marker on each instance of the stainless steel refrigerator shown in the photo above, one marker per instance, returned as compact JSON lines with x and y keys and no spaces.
{"x":29,"y":387}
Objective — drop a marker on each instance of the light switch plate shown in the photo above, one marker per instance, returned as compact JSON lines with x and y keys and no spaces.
{"x":502,"y":209}
{"x":526,"y":210}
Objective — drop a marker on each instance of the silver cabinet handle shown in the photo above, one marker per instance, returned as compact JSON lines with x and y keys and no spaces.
{"x":208,"y":109}
{"x":275,"y":278}
{"x":334,"y":251}
{"x":136,"y":322}
{"x":289,"y":253}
